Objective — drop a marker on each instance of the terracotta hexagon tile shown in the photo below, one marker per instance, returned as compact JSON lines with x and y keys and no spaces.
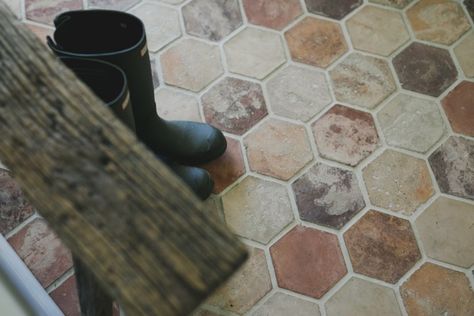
{"x":278,"y":149}
{"x":44,"y":11}
{"x":382,"y":246}
{"x":246,"y":287}
{"x":234,"y":105}
{"x":377,"y":30}
{"x":336,"y":9}
{"x":328,"y":196}
{"x":42,"y":251}
{"x":257,"y":209}
{"x":254,"y":52}
{"x":411,"y":123}
{"x":362,"y":298}
{"x":463,"y":52}
{"x":425,"y":69}
{"x":459,"y":107}
{"x":438,"y":21}
{"x":280,"y":304}
{"x":191,"y":71}
{"x":453,"y":166}
{"x":212,"y":20}
{"x":362,"y":80}
{"x":67,"y":298}
{"x":398,"y":182}
{"x":345,"y":135}
{"x":399,"y":4}
{"x":14,"y":208}
{"x":228,"y":168}
{"x":161,"y":24}
{"x":298,"y":93}
{"x":447,"y":232}
{"x":175,"y":105}
{"x":112,"y":4}
{"x":316,"y":42}
{"x":275,"y":14}
{"x":308,"y":261}
{"x":434,"y":290}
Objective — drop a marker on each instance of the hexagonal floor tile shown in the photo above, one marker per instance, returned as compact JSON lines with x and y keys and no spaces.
{"x":463,"y":52}
{"x":278,"y":149}
{"x":298,"y":93}
{"x":246,"y":287}
{"x":280,"y":304}
{"x":336,"y":9}
{"x":44,"y":11}
{"x":382,"y":246}
{"x":399,"y":4}
{"x":411,"y":123}
{"x":345,"y":135}
{"x":354,"y":80}
{"x":228,"y":168}
{"x":308,"y":261}
{"x":439,"y":21}
{"x":120,"y":5}
{"x":191,"y":71}
{"x":234,"y":105}
{"x":328,"y":196}
{"x":275,"y":14}
{"x":15,"y":7}
{"x":453,"y":166}
{"x":40,"y":31}
{"x":175,"y":105}
{"x":447,"y":233}
{"x":425,"y":69}
{"x":316,"y":42}
{"x":257,"y":209}
{"x":398,"y":182}
{"x":212,"y":20}
{"x":362,"y":298}
{"x":377,"y":30}
{"x":459,"y":107}
{"x":174,"y":2}
{"x":434,"y":290}
{"x":161,"y":24}
{"x":254,"y":53}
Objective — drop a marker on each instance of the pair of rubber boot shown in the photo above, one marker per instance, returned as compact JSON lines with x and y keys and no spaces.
{"x":108,"y":51}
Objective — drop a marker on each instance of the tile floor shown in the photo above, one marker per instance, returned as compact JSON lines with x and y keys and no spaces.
{"x":350,"y":168}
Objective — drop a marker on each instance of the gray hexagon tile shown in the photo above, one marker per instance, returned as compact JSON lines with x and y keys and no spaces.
{"x":362,"y":80}
{"x":175,"y":105}
{"x":234,"y":105}
{"x":398,"y":182}
{"x":463,"y":52}
{"x":411,"y":123}
{"x":254,"y":52}
{"x":257,"y":209}
{"x":191,"y":71}
{"x":453,"y":166}
{"x":328,"y":196}
{"x":161,"y":24}
{"x":298,"y":93}
{"x":280,"y":304}
{"x":212,"y":20}
{"x":278,"y":149}
{"x":345,"y":135}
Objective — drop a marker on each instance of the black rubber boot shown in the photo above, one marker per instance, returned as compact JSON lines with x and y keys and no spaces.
{"x":109,"y":83}
{"x":119,"y":38}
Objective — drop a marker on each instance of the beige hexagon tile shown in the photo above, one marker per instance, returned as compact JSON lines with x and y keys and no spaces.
{"x":438,"y":21}
{"x":281,"y":304}
{"x":399,"y":4}
{"x":191,"y":71}
{"x":411,"y":123}
{"x":175,"y":105}
{"x":446,"y":229}
{"x":257,"y":209}
{"x":363,"y":298}
{"x":376,"y":30}
{"x":254,"y":52}
{"x":362,"y":80}
{"x":161,"y":24}
{"x":14,"y":6}
{"x":398,"y":182}
{"x":298,"y":93}
{"x":278,"y":149}
{"x":463,"y":52}
{"x":112,"y":4}
{"x":174,"y":2}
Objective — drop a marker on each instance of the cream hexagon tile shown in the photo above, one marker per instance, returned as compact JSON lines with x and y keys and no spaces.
{"x":463,"y":52}
{"x":175,"y":105}
{"x":112,"y":4}
{"x":399,"y":4}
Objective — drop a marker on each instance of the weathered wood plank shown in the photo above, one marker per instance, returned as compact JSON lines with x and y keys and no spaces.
{"x":139,"y":229}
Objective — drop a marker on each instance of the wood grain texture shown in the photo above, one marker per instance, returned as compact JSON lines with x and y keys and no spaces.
{"x":141,"y":231}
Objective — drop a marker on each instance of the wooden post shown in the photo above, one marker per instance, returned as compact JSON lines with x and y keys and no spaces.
{"x":138,"y":228}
